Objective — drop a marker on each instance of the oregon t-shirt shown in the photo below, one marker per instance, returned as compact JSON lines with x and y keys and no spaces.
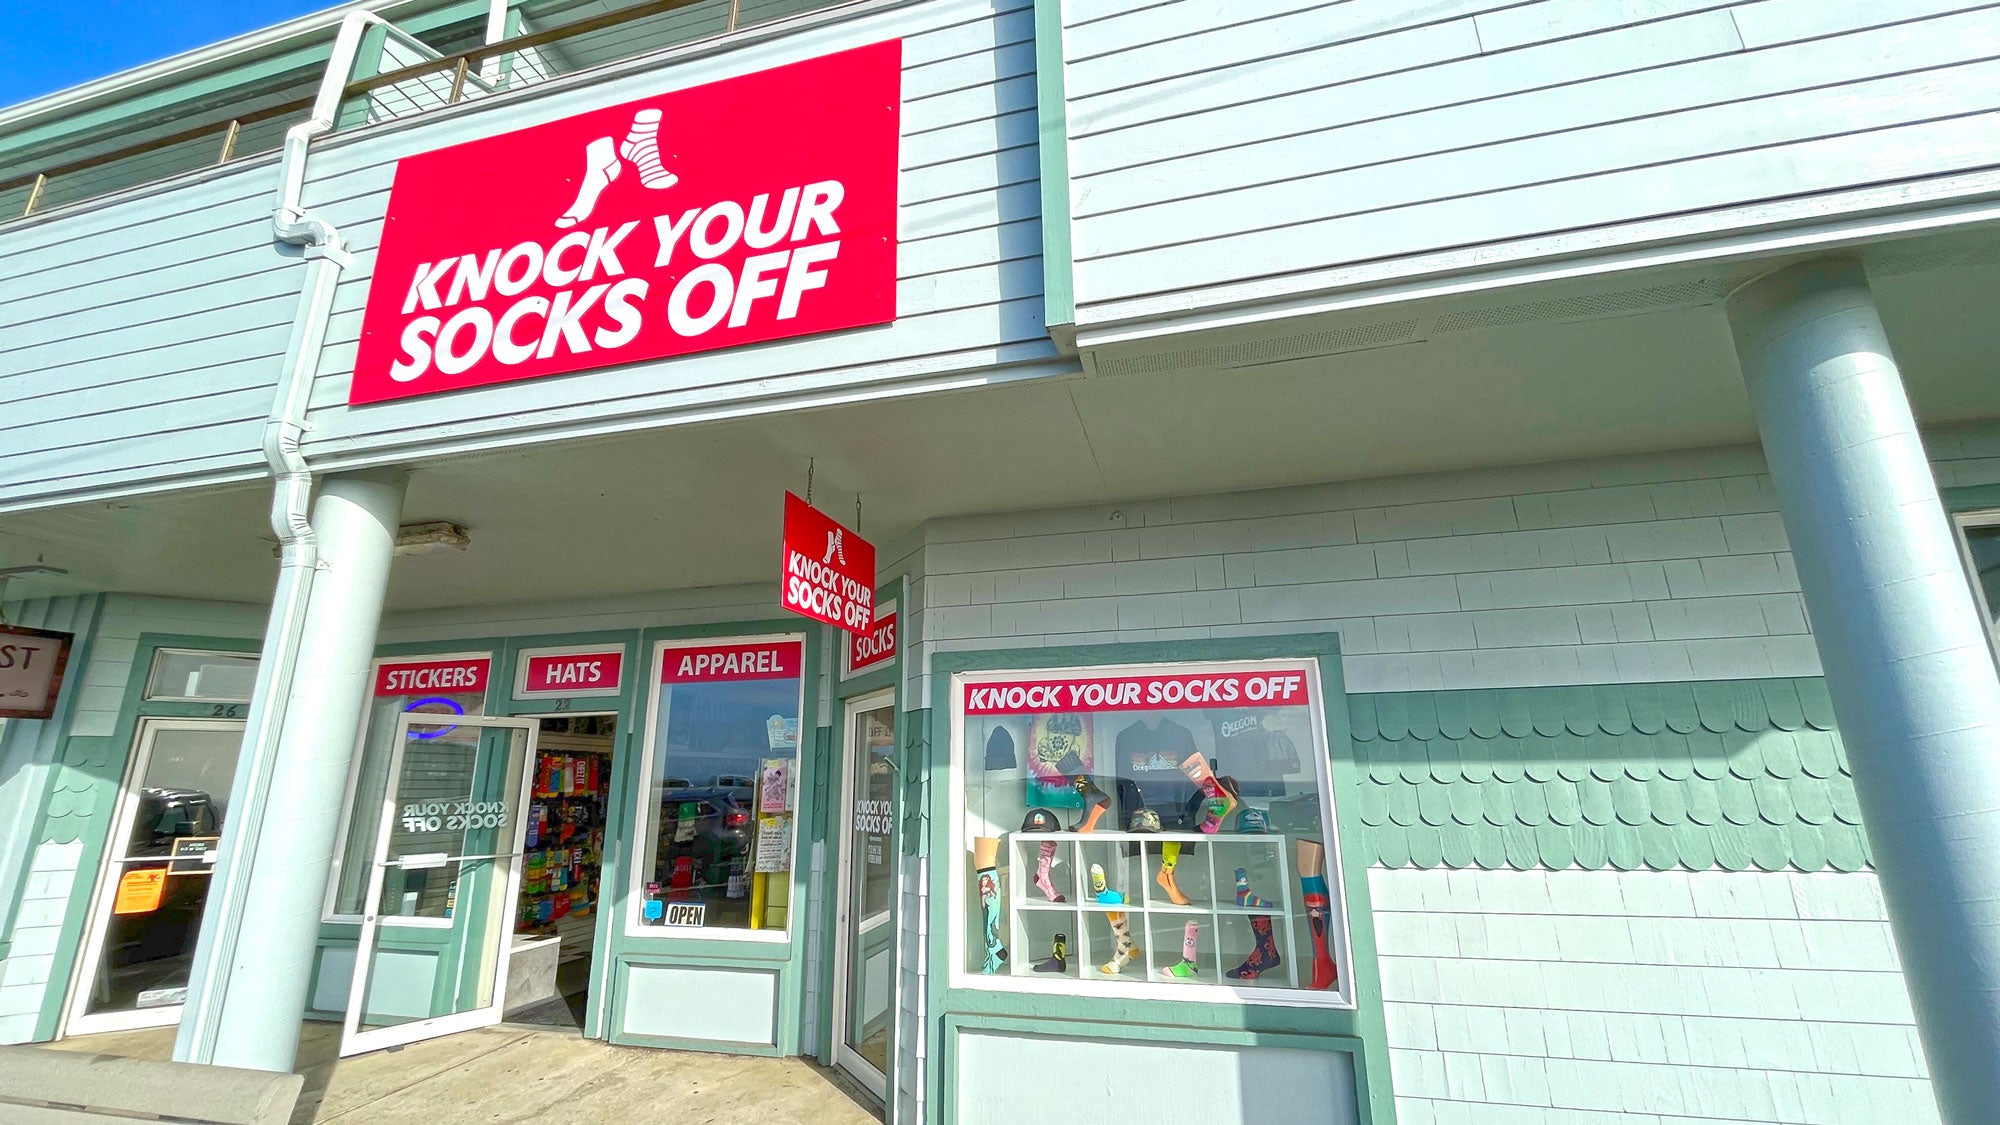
{"x":1257,"y":757}
{"x":1149,"y":772}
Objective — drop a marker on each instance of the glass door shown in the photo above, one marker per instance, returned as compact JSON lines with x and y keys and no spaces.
{"x":864,"y":991}
{"x":140,"y":947}
{"x":439,"y":913}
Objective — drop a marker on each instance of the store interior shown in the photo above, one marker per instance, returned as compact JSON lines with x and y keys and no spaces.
{"x":555,"y":920}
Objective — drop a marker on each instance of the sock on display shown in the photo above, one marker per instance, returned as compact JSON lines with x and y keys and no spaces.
{"x":1042,"y":881}
{"x":1095,"y":802}
{"x":989,"y":902}
{"x":1213,"y":810}
{"x":1243,"y":895}
{"x":1318,"y":910}
{"x":1123,"y":948}
{"x":1170,"y":856}
{"x":1058,"y":961}
{"x":1264,"y":957}
{"x":1187,"y":968}
{"x":642,"y":148}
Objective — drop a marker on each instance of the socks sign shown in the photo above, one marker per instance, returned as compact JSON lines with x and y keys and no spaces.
{"x":755,"y":208}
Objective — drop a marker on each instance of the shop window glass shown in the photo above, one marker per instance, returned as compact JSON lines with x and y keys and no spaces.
{"x":444,"y":685}
{"x":206,"y":677}
{"x":1981,"y":534}
{"x":718,"y":812}
{"x":1163,"y":828}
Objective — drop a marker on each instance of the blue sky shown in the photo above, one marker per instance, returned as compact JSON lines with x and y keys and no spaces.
{"x":49,"y":45}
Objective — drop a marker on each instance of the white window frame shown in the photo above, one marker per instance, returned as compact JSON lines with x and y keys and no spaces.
{"x":645,"y":811}
{"x":253,"y":657}
{"x":960,"y":850}
{"x":327,"y":912}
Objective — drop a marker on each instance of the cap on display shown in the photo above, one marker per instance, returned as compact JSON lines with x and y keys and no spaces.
{"x":1145,"y":820}
{"x":1040,"y":820}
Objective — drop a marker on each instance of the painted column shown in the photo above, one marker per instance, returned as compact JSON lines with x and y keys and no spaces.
{"x":1913,"y":682}
{"x":248,"y":991}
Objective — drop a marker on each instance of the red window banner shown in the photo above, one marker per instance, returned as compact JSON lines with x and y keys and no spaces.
{"x":433,"y":677}
{"x":1278,"y":688}
{"x":571,"y":672}
{"x":828,"y":571}
{"x":755,"y":208}
{"x":760,"y":660}
{"x":875,"y":648}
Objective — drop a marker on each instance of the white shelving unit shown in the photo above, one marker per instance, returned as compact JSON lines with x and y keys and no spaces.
{"x":1205,"y":874}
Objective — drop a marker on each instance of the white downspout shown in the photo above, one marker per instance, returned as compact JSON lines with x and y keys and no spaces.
{"x":284,"y":433}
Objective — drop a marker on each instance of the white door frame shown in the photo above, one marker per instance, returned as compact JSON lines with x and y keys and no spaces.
{"x":352,"y":1039}
{"x":851,"y":1061}
{"x":77,"y":1021}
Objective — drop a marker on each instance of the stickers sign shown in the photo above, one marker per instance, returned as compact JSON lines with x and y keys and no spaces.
{"x":828,"y":571}
{"x":1283,"y":688}
{"x":755,"y":208}
{"x":31,"y":671}
{"x":433,"y":677}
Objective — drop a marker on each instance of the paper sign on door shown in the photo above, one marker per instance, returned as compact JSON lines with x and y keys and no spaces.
{"x":140,"y":891}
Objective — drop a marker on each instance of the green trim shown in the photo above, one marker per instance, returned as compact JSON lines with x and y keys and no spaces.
{"x":1186,"y":1021}
{"x":86,"y":787}
{"x":1970,"y":498}
{"x":1695,"y":776}
{"x":1052,"y":116}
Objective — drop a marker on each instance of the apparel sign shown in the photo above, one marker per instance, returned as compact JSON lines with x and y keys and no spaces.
{"x":751,"y":209}
{"x":829,"y":571}
{"x":441,"y":677}
{"x":1138,"y":693}
{"x":31,"y":671}
{"x":768,"y":660}
{"x":570,"y":673}
{"x":875,"y":648}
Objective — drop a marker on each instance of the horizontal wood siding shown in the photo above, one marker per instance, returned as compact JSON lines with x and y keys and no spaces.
{"x":140,"y":340}
{"x":1222,"y":153}
{"x":969,"y":292}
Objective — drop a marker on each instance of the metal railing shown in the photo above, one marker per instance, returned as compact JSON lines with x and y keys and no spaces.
{"x":391,"y":94}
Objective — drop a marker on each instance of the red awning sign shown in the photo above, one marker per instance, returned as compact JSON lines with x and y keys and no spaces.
{"x":1280,"y":688}
{"x":829,"y":571}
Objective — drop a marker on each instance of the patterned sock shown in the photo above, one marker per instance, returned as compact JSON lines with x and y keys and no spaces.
{"x":1042,"y":869}
{"x":989,"y":902}
{"x":1215,"y":809}
{"x":1058,"y":962}
{"x":1243,"y":895}
{"x":1170,"y":855}
{"x":1318,"y":909}
{"x":1123,"y":950}
{"x":642,"y":148}
{"x":1264,"y":957}
{"x":1186,"y":968}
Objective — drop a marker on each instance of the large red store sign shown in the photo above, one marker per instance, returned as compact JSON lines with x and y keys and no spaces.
{"x":828,"y":571}
{"x":750,"y":209}
{"x":1285,"y":688}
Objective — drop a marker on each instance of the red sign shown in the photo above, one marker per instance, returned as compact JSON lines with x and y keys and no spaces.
{"x":1285,"y":688}
{"x":829,"y":571}
{"x":31,"y":671}
{"x":433,"y":677}
{"x":874,"y":648}
{"x":572,"y":673}
{"x":764,"y":660}
{"x":751,"y":209}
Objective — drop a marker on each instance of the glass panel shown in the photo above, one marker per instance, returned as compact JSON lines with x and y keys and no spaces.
{"x":364,"y":809}
{"x":1984,"y":545}
{"x":871,"y":866}
{"x":449,"y":862}
{"x":182,"y":794}
{"x":1164,"y":826}
{"x":221,"y":677}
{"x":717,"y":824}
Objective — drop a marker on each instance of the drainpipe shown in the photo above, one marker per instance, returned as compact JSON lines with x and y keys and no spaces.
{"x":284,"y":434}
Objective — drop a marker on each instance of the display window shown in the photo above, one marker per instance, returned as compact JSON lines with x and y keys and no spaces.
{"x":453,"y":684}
{"x":1160,"y":831}
{"x":718,"y":812}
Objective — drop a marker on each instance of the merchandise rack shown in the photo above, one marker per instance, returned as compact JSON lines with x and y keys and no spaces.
{"x":1076,"y":851}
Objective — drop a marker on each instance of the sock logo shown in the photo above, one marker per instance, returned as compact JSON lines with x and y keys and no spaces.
{"x":755,"y":208}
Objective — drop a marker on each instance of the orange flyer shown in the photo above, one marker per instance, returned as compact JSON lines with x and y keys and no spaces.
{"x":139,"y":891}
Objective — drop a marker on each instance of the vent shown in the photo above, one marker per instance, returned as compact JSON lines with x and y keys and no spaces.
{"x":1250,"y":353}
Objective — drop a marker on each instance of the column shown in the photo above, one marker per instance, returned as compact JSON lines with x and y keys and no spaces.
{"x":248,"y":992}
{"x":1913,"y":682}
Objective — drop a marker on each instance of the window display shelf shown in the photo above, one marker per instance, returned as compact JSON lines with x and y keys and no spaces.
{"x":1204,"y":873}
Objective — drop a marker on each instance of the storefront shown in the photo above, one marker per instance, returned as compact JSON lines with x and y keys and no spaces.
{"x":1378,"y":589}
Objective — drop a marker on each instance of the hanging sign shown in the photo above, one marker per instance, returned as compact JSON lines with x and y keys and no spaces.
{"x":877,"y":647}
{"x":140,"y":891}
{"x":31,"y":671}
{"x":828,"y":572}
{"x":569,"y":672}
{"x":751,"y":209}
{"x":464,"y":676}
{"x":777,"y":659}
{"x":1283,"y":688}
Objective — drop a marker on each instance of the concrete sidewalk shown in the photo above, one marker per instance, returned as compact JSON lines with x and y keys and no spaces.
{"x":512,"y":1073}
